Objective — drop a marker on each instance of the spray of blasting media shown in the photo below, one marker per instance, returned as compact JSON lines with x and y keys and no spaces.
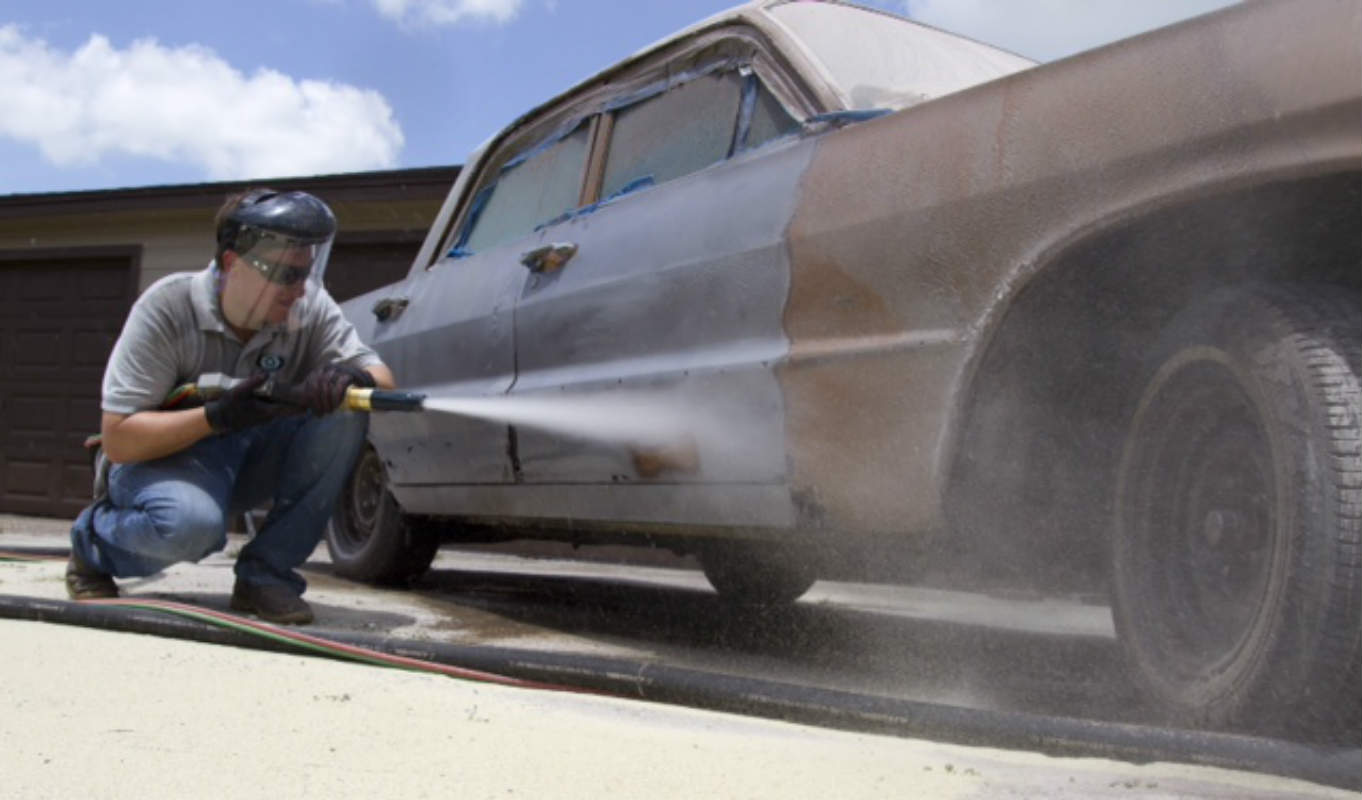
{"x":652,"y":419}
{"x":662,"y":431}
{"x":620,"y":418}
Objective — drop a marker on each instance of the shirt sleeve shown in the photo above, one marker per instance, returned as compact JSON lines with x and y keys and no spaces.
{"x":335,"y":339}
{"x":142,"y":367}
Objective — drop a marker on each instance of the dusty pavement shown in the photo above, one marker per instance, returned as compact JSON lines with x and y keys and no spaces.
{"x":91,"y":713}
{"x":342,"y":605}
{"x":95,"y":713}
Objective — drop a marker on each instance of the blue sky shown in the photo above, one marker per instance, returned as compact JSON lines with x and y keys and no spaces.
{"x":101,"y":94}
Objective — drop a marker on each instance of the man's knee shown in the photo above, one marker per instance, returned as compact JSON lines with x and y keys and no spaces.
{"x":189,"y":524}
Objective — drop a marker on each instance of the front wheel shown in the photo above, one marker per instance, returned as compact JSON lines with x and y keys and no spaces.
{"x":1237,"y":561}
{"x":753,"y":573}
{"x":369,"y":539}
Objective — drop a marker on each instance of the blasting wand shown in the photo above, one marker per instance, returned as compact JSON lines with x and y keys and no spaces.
{"x":357,"y":398}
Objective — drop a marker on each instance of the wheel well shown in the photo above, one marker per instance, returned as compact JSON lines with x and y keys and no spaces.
{"x":1029,"y":490}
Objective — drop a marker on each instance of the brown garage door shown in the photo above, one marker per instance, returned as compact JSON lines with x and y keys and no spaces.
{"x":58,"y":321}
{"x":364,"y":262}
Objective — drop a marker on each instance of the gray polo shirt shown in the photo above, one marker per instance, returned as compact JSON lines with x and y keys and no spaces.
{"x":175,"y":333}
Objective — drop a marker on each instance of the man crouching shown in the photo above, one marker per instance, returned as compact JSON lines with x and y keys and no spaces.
{"x":169,"y":479}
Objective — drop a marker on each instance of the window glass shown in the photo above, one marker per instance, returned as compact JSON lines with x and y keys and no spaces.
{"x":769,"y":119}
{"x":675,"y":133}
{"x":529,"y":191}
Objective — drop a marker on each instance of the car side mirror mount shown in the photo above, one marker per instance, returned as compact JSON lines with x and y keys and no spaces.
{"x":390,"y":308}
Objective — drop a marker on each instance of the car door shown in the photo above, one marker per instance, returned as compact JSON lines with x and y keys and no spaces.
{"x":446,"y":330}
{"x":452,"y":335}
{"x":669,"y":308}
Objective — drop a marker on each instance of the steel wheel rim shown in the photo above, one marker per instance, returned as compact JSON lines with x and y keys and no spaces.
{"x":362,"y":502}
{"x":1203,"y":518}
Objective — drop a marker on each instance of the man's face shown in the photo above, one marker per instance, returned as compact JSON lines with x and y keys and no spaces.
{"x":260,"y":287}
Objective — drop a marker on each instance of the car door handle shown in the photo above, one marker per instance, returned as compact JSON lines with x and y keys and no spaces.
{"x":390,"y":308}
{"x":550,"y":257}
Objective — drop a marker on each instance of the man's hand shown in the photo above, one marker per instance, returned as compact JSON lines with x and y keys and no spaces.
{"x":324,"y":388}
{"x":239,"y":408}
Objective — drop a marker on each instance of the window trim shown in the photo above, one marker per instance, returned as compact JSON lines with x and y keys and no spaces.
{"x":602,"y":133}
{"x":748,"y":49}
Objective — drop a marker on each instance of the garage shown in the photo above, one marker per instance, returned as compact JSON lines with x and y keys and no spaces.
{"x":72,"y":263}
{"x":59,"y":316}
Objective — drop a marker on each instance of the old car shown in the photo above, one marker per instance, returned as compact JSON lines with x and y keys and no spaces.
{"x":896,"y":288}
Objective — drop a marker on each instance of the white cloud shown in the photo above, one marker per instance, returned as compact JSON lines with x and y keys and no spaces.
{"x":447,"y":12}
{"x":186,"y":105}
{"x":1050,"y":29}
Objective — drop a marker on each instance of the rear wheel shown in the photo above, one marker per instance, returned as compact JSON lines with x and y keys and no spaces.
{"x":755,"y":573}
{"x":1237,"y":561}
{"x":369,"y":539}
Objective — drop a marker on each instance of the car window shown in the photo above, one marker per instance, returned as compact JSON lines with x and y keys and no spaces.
{"x":532,"y":188}
{"x":769,"y":118}
{"x":674,"y":133}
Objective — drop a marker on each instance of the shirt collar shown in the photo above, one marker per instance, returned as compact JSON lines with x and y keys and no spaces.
{"x":203,"y":295}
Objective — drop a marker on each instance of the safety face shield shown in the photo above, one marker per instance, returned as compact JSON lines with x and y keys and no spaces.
{"x":267,"y":277}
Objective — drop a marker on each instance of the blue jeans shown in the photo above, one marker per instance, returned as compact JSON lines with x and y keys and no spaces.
{"x":177,"y":508}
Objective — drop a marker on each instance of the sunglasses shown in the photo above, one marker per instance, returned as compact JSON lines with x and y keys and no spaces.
{"x":278,"y":273}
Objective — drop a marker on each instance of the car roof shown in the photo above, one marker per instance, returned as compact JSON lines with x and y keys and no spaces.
{"x":757,"y":15}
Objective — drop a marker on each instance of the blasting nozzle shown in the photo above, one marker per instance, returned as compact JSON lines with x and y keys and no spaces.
{"x":360,"y":399}
{"x":357,"y":398}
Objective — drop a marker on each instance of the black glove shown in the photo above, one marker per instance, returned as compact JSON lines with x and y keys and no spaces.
{"x":324,"y":387}
{"x":240,"y":408}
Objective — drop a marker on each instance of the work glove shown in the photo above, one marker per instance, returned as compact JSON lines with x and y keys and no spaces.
{"x":324,"y":387}
{"x":240,"y":408}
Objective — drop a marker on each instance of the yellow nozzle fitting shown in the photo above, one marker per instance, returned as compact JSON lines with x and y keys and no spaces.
{"x":359,"y":399}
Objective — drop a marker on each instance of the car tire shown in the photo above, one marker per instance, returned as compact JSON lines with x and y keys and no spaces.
{"x":368,"y":537}
{"x":1237,"y":560}
{"x":756,"y":574}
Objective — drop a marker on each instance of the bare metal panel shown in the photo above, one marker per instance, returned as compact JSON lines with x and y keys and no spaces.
{"x":679,"y":287}
{"x":453,"y":339}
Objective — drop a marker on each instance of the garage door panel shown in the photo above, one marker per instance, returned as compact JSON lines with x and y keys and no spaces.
{"x":45,"y":284}
{"x":28,"y":478}
{"x":91,"y":349}
{"x":58,"y":322}
{"x":76,"y":480}
{"x":82,"y":419}
{"x":95,"y":290}
{"x":30,"y":415}
{"x":38,"y":348}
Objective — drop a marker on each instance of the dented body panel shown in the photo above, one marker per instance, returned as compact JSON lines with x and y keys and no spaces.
{"x":833,"y":292}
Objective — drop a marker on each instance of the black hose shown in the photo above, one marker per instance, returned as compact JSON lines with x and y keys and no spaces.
{"x":1058,"y":736}
{"x":36,"y":552}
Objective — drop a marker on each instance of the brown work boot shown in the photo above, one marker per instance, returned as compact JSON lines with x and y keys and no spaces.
{"x":84,"y":582}
{"x":271,"y":602}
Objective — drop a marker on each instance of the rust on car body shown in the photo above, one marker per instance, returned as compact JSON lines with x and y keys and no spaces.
{"x":915,"y":232}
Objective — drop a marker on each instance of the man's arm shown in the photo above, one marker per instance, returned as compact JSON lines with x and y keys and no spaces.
{"x":145,"y":435}
{"x":382,"y":376}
